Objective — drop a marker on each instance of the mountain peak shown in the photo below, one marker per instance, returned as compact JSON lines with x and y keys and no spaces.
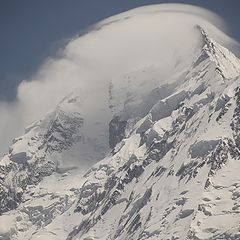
{"x":207,"y":40}
{"x":227,"y":64}
{"x":168,"y":171}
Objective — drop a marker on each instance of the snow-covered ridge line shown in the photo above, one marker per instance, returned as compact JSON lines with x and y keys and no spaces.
{"x":226,"y":62}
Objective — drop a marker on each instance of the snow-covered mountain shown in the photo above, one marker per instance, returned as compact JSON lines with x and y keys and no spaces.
{"x":164,"y":158}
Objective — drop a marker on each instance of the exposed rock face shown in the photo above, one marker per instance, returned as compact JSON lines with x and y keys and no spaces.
{"x":116,"y":131}
{"x":29,"y":159}
{"x":173,"y":174}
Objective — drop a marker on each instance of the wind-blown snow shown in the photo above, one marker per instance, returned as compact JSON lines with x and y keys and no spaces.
{"x":158,"y":35}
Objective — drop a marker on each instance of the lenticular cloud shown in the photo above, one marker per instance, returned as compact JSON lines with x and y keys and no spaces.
{"x":159,"y":35}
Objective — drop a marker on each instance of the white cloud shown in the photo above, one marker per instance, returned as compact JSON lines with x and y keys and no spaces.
{"x":155,"y":35}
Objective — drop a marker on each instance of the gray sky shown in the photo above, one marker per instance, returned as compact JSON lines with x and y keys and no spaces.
{"x":32,"y":30}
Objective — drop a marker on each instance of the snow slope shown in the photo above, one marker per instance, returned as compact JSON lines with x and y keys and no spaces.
{"x":169,"y":150}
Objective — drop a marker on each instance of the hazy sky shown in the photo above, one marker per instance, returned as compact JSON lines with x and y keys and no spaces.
{"x":32,"y":30}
